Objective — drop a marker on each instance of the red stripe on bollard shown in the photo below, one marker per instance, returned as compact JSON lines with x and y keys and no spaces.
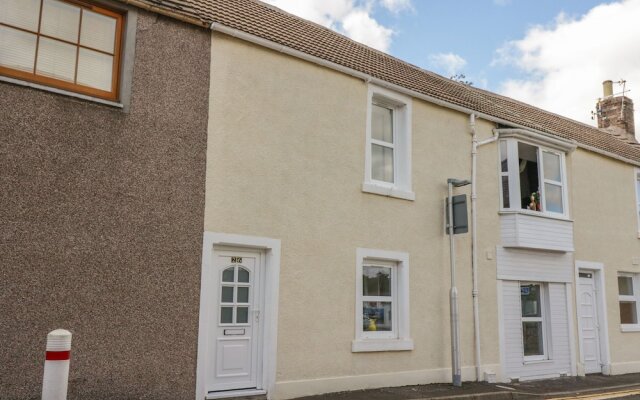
{"x":58,"y":355}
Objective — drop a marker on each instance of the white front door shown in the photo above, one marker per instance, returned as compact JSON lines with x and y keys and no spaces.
{"x":234,"y":343}
{"x":589,"y":325}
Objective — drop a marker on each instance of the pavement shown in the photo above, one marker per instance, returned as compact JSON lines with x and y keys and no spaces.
{"x":591,"y":387}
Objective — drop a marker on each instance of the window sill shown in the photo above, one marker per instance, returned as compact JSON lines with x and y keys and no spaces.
{"x":60,"y":91}
{"x":545,"y":361}
{"x":370,"y":345}
{"x":630,"y":328}
{"x":536,"y":214}
{"x":388,"y":191}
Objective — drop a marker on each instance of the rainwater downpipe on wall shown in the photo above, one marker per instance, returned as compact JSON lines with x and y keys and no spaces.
{"x":474,"y":240}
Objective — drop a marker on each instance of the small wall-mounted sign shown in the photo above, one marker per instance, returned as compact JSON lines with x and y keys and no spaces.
{"x":236,"y":260}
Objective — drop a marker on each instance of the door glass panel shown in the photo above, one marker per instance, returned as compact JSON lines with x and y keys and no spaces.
{"x":530,"y":300}
{"x":382,"y":123}
{"x":552,"y":166}
{"x":21,"y":13}
{"x":56,"y":59}
{"x":625,"y":285}
{"x":376,"y":281}
{"x":242,"y":316}
{"x":226,"y":315}
{"x":17,"y":49}
{"x":532,"y":338}
{"x":60,"y":20}
{"x":382,"y":163}
{"x":243,"y":275}
{"x":553,"y":197}
{"x":376,"y":316}
{"x":227,"y":294}
{"x":227,"y":275}
{"x":243,"y":295}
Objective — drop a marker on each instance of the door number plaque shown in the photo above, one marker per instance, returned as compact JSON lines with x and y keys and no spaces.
{"x":236,"y":260}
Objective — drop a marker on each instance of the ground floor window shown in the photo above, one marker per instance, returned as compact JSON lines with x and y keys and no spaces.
{"x":532,"y":304}
{"x":628,"y":294}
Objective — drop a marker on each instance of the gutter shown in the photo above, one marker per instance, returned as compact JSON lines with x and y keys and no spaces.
{"x":217,"y":27}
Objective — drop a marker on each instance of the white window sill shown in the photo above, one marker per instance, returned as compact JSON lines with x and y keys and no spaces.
{"x":630,"y":328}
{"x":369,"y":345}
{"x":60,"y":91}
{"x":389,"y":191}
{"x":545,"y":361}
{"x":536,"y":214}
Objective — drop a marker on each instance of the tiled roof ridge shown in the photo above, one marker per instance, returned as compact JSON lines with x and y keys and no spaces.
{"x":270,"y":23}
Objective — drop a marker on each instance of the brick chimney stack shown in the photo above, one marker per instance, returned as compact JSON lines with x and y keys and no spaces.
{"x":615,"y":114}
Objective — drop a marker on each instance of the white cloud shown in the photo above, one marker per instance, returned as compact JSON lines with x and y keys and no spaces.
{"x":354,"y":18}
{"x":447,"y":63}
{"x":565,"y":64}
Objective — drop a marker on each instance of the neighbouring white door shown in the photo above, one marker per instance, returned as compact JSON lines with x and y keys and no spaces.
{"x":589,"y":325}
{"x":235,"y":320}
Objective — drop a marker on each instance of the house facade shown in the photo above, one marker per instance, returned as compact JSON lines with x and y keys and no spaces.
{"x":269,"y":219}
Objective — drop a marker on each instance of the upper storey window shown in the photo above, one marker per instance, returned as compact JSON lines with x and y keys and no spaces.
{"x":67,"y":44}
{"x":532,"y":178}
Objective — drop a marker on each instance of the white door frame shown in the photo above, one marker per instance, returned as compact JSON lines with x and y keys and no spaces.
{"x":603,"y":331}
{"x":271,"y":250}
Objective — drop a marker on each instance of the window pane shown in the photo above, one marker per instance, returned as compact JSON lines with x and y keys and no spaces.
{"x":530,"y":300}
{"x":242,"y":316}
{"x":532,"y":338}
{"x":551,"y":166}
{"x":382,"y":123}
{"x":243,"y":295}
{"x":227,"y":294}
{"x":376,"y":281}
{"x":625,"y":285}
{"x":17,"y":49}
{"x":56,"y":59}
{"x":94,"y":69}
{"x":553,"y":198}
{"x":628,"y":312}
{"x":505,"y":192}
{"x":60,"y":20}
{"x":376,"y":316}
{"x":381,"y":163}
{"x":529,"y":179}
{"x":504,"y":166}
{"x":243,"y":275}
{"x":227,"y":275}
{"x":226,"y":315}
{"x":98,"y":31}
{"x":21,"y":13}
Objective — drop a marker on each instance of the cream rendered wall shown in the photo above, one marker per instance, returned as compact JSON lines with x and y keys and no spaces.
{"x":285,"y":160}
{"x":606,"y":231}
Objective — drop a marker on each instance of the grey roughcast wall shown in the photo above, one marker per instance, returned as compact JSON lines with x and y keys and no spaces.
{"x":101,"y":221}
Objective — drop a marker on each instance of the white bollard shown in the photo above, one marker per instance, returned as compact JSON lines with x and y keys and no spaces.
{"x":56,"y":365}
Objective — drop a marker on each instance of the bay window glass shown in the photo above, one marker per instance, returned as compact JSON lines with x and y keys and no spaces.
{"x":533,"y":324}
{"x":64,"y":44}
{"x":532,"y":178}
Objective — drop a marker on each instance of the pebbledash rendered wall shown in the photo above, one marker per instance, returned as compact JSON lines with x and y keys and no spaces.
{"x":101,"y":220}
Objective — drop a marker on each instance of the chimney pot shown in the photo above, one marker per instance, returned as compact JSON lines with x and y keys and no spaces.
{"x":607,"y":87}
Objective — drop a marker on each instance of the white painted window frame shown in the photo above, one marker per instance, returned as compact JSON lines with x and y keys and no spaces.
{"x":401,"y":106}
{"x":399,"y":339}
{"x":514,"y":178}
{"x":544,"y":318}
{"x":635,"y":282}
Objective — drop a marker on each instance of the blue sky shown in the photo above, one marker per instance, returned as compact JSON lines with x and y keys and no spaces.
{"x":552,"y":54}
